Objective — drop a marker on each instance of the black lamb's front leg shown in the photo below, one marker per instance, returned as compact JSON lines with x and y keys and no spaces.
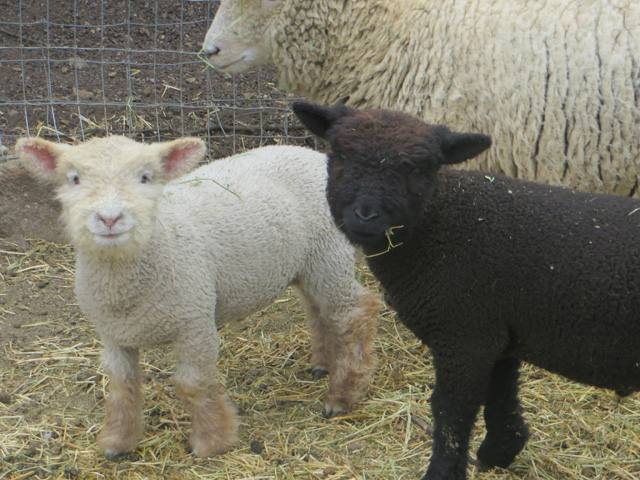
{"x":460,"y":389}
{"x":507,"y":432}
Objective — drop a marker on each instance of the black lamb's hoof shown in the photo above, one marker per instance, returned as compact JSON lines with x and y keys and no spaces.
{"x":500,"y":450}
{"x":624,"y":392}
{"x":317,"y":373}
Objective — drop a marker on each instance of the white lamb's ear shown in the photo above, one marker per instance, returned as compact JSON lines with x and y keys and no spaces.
{"x":180,"y":156}
{"x":40,"y":156}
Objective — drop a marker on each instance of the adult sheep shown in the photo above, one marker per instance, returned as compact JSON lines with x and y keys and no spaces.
{"x":487,"y":271}
{"x":556,"y":83}
{"x":167,"y":264}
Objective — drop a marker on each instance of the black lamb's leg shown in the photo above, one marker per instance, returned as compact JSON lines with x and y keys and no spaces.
{"x":459,"y":393}
{"x":507,"y":432}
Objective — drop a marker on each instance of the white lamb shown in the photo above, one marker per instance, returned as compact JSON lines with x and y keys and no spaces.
{"x":555,"y":83}
{"x":167,"y":263}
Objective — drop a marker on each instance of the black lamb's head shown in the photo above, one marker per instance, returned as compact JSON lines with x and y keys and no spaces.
{"x":383,"y":166}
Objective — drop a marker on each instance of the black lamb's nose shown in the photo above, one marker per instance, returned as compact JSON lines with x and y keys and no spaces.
{"x":365,"y":217}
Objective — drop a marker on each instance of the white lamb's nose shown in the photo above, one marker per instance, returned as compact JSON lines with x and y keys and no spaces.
{"x":110,"y":222}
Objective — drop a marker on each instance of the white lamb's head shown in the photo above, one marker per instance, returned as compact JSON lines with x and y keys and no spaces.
{"x":109,"y":187}
{"x":237,"y":39}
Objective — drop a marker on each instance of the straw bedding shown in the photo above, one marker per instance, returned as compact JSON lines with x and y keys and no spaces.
{"x":52,"y":400}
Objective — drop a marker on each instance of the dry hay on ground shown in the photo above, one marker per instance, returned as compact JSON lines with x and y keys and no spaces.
{"x":52,"y":392}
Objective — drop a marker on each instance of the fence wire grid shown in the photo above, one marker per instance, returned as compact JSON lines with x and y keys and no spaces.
{"x":73,"y":69}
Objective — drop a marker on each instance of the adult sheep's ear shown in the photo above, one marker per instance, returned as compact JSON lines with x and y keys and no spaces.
{"x":458,"y":147}
{"x":319,"y":119}
{"x":40,"y":157}
{"x":180,"y":156}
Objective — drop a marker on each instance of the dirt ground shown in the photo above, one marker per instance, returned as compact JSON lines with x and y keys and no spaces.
{"x":52,"y":387}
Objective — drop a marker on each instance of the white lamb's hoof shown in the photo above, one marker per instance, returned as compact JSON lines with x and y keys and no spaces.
{"x":114,"y":456}
{"x":318,"y":372}
{"x":209,"y":451}
{"x":195,"y":454}
{"x":333,"y":411}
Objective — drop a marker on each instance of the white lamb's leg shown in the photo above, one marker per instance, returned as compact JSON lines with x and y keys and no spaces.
{"x":342,"y":330}
{"x":122,"y":428}
{"x":213,"y":417}
{"x":320,"y":352}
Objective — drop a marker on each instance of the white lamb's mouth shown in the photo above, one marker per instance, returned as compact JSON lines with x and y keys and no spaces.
{"x":109,"y":238}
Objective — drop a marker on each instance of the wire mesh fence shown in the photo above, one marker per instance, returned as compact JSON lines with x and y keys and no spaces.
{"x":72,"y":69}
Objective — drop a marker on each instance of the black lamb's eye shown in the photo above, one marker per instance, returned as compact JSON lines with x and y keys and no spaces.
{"x":408,"y":166}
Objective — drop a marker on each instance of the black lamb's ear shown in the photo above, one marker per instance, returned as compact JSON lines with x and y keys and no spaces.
{"x":458,"y":147}
{"x":319,"y":119}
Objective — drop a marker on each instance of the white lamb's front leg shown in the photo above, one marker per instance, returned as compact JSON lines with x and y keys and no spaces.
{"x":122,"y":428}
{"x":213,"y":417}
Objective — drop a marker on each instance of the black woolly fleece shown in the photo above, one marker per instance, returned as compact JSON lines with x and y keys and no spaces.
{"x":499,"y":267}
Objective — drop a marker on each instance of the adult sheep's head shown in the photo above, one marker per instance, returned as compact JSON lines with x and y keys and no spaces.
{"x":383,"y":167}
{"x":236,"y":40}
{"x":109,"y":187}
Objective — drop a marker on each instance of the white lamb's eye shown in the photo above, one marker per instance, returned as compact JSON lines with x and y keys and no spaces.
{"x":74,"y":178}
{"x":145,"y":178}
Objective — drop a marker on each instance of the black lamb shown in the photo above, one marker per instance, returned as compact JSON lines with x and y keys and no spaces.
{"x":487,"y":271}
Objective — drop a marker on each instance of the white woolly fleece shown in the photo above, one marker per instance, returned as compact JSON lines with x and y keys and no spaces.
{"x":169,"y":263}
{"x":555,"y":83}
{"x":226,"y":239}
